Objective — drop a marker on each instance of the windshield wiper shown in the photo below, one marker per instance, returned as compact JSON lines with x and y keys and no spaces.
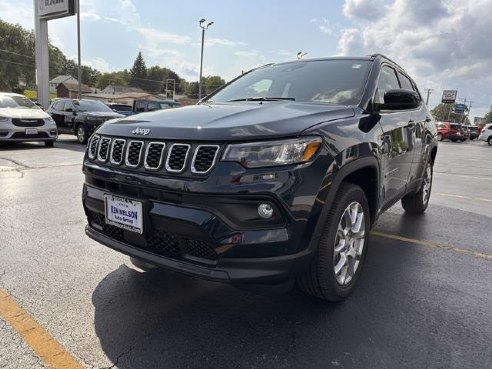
{"x":263,"y":99}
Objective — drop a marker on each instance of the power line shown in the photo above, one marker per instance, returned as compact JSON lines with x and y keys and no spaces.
{"x":11,"y":62}
{"x":11,"y":52}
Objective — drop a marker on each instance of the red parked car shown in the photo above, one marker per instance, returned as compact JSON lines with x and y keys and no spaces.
{"x":450,"y":131}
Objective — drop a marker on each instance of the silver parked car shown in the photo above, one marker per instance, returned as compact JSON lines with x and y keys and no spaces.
{"x":22,"y":120}
{"x":486,"y":134}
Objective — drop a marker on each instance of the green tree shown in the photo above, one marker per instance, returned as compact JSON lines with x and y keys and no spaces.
{"x":211,"y":83}
{"x":488,"y":116}
{"x":192,"y":90}
{"x":105,"y":79}
{"x":138,"y":73}
{"x":445,"y":113}
{"x":17,"y":64}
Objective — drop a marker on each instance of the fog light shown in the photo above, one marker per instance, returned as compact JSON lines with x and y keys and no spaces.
{"x":265,"y":211}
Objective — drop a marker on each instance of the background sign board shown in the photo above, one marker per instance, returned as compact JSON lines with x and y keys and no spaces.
{"x":51,"y":9}
{"x":459,"y":108}
{"x":449,"y":96}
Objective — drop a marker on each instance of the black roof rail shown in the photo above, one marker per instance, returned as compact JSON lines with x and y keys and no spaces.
{"x":382,"y":56}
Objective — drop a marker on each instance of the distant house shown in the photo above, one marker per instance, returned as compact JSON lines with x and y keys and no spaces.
{"x":60,"y":79}
{"x":71,"y":90}
{"x":121,"y":90}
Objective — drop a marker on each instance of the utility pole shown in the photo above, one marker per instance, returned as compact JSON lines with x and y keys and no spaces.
{"x":429,"y":90}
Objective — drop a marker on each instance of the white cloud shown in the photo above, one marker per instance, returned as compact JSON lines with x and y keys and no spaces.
{"x":100,"y":64}
{"x":246,"y":53}
{"x":442,"y":44}
{"x":365,"y":9}
{"x":154,"y":36}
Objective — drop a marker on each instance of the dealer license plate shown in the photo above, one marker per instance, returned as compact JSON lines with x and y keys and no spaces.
{"x":124,"y":213}
{"x":31,"y":131}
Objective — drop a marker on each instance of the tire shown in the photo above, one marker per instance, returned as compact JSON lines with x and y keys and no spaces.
{"x":454,"y":139}
{"x":439,"y":137}
{"x":489,"y":140}
{"x":417,"y":202}
{"x":49,"y":143}
{"x":321,"y":279}
{"x":81,"y":133}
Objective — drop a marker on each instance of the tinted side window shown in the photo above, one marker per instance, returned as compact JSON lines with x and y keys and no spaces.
{"x":405,"y":82}
{"x":68,"y":105}
{"x":59,"y":105}
{"x":387,"y":81}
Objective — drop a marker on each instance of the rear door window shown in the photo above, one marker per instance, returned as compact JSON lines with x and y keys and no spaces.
{"x":405,"y":82}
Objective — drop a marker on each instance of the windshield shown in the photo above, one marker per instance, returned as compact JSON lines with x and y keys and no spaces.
{"x":321,"y":81}
{"x":92,"y":105}
{"x":16,"y":102}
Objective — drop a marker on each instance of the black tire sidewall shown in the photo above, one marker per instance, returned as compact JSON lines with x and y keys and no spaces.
{"x":348,"y":194}
{"x":77,"y":133}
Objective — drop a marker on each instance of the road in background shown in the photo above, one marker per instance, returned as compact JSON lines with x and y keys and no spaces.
{"x":423,"y":300}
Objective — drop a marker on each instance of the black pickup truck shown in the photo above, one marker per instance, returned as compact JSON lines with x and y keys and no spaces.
{"x":278,"y":176}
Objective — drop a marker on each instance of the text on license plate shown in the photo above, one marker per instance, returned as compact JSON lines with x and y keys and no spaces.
{"x":124,"y":213}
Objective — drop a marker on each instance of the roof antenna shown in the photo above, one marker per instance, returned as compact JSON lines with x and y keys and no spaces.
{"x":300,"y":54}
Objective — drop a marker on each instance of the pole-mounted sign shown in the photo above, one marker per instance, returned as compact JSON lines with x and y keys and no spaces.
{"x":449,"y":96}
{"x":51,"y":9}
{"x":44,"y":10}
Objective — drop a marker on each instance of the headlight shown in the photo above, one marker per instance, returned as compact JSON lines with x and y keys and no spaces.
{"x":273,"y":153}
{"x":49,"y":120}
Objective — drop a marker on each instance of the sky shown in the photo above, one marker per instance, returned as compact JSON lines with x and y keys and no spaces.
{"x":442,"y":44}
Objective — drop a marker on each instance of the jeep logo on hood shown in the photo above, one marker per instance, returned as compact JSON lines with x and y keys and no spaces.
{"x":141,"y":131}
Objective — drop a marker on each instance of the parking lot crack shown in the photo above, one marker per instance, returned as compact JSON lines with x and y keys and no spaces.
{"x":118,"y":359}
{"x":15,"y":162}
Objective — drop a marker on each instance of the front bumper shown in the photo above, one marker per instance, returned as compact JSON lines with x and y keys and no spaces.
{"x":238,"y":270}
{"x":11,"y":133}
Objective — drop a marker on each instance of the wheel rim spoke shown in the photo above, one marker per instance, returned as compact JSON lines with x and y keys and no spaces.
{"x":349,"y":243}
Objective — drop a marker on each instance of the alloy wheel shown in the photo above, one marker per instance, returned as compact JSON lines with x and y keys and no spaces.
{"x":349,"y":243}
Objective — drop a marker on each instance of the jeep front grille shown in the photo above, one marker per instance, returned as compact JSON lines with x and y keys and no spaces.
{"x":204,"y":158}
{"x":176,"y":160}
{"x":102,"y":154}
{"x":170,"y":157}
{"x":93,"y":146}
{"x":134,"y":154}
{"x":153,"y":155}
{"x":117,"y":148}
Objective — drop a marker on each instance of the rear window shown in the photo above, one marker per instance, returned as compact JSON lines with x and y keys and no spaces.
{"x":455,"y":126}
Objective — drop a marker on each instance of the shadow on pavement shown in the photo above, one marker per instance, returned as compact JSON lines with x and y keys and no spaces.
{"x":161,"y":319}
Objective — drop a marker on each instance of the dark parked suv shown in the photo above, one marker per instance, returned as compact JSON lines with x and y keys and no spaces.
{"x":80,"y":117}
{"x":278,"y":176}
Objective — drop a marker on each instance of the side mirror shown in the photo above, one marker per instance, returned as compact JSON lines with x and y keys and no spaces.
{"x":400,"y":99}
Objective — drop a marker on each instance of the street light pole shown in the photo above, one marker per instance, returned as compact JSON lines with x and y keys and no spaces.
{"x":79,"y":70}
{"x":429,"y":90}
{"x":201,"y":55}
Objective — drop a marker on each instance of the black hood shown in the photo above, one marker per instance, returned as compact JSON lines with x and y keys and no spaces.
{"x":228,"y":121}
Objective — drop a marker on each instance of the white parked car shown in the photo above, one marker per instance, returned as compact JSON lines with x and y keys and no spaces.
{"x":486,"y":134}
{"x":22,"y":120}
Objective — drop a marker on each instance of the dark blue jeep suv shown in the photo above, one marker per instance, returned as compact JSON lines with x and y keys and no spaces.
{"x":278,"y":176}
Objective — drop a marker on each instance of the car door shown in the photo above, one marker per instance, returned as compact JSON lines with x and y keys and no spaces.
{"x":396,"y":141}
{"x":58,"y":114}
{"x":419,"y":138}
{"x":69,"y":113}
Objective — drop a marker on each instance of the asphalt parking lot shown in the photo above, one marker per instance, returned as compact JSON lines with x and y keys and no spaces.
{"x":423,"y":301}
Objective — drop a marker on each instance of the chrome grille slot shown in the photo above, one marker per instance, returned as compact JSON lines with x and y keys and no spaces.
{"x":102,"y":153}
{"x":93,"y":147}
{"x":204,"y":158}
{"x":176,"y":158}
{"x":153,"y":155}
{"x":134,"y":154}
{"x":117,"y":149}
